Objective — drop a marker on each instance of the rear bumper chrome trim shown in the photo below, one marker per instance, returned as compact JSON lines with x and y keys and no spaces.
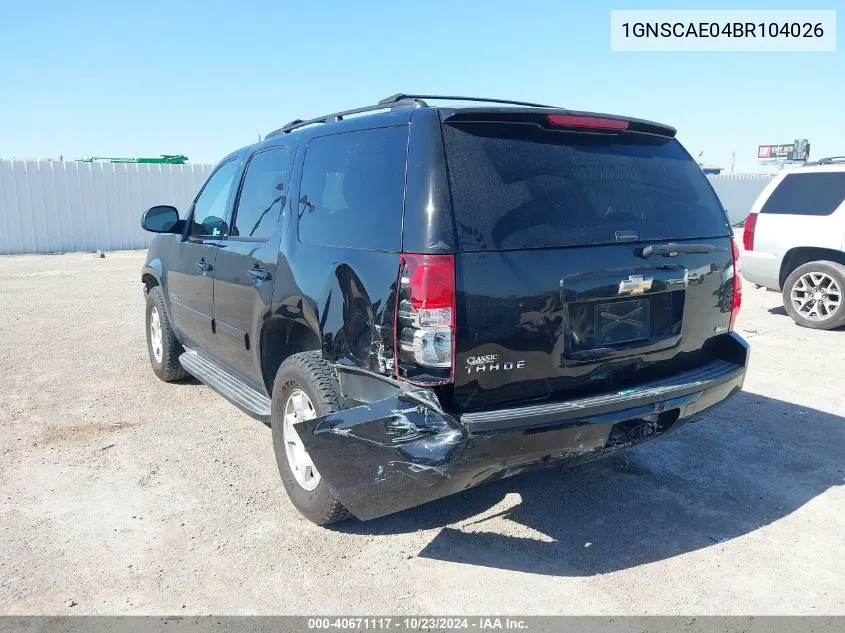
{"x":700,"y":379}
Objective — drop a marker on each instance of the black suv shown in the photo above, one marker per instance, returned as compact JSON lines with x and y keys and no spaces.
{"x":421,"y":299}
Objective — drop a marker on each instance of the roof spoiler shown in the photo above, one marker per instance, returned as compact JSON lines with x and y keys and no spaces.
{"x":556,"y":119}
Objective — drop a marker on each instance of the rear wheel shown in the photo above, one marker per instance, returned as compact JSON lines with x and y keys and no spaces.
{"x":812,"y":295}
{"x":305,"y":388}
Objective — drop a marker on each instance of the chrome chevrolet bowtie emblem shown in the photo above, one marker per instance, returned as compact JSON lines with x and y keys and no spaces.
{"x":635,"y":285}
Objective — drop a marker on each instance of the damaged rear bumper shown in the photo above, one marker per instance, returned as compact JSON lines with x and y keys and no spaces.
{"x":401,"y":449}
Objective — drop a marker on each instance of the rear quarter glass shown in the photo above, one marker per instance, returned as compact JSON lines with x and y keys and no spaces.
{"x":352,"y":189}
{"x":518,"y":187}
{"x":809,"y":193}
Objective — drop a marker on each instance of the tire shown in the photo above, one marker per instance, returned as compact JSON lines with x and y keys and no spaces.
{"x":307,"y":373}
{"x":826,"y":276}
{"x":166,"y":363}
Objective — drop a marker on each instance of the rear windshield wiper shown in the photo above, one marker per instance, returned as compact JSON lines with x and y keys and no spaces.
{"x":672,"y":250}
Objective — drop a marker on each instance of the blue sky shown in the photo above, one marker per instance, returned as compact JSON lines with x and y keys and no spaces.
{"x":203,"y":78}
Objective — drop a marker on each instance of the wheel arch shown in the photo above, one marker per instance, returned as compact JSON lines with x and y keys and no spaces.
{"x":281,"y":338}
{"x":801,"y":255}
{"x":150,"y":281}
{"x":151,"y":274}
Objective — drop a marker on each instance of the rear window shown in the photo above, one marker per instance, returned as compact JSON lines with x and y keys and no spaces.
{"x":353,"y":189}
{"x":818,"y":193}
{"x":520,"y":187}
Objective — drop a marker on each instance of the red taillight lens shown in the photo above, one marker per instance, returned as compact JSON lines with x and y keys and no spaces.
{"x":431,"y":280}
{"x":736,"y":300}
{"x":425,"y":319}
{"x":594,"y":122}
{"x":748,"y":234}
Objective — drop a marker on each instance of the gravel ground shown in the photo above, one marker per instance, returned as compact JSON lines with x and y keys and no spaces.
{"x":126,"y":495}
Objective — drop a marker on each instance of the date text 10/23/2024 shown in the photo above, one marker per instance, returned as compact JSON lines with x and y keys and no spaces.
{"x":417,"y":623}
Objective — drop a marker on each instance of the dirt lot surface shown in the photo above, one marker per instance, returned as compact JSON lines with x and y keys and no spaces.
{"x":127,"y":495}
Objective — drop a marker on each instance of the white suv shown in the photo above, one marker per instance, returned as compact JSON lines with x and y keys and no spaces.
{"x":794,"y":242}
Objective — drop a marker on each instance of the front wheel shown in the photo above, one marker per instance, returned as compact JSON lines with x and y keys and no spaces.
{"x":305,"y":388}
{"x":162,"y":344}
{"x":812,"y":295}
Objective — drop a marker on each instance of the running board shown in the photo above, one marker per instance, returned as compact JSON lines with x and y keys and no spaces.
{"x":230,"y":387}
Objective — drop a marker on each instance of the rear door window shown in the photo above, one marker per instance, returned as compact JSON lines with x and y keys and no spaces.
{"x":262,"y":194}
{"x":520,"y":187}
{"x":353,"y":188}
{"x":813,"y":193}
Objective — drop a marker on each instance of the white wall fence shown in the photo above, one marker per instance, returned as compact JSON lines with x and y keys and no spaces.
{"x":738,"y":192}
{"x":54,"y":206}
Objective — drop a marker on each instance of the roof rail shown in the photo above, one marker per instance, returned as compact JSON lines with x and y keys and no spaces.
{"x":828,"y":161}
{"x":403,"y":97}
{"x":338,"y":116}
{"x":399,"y":100}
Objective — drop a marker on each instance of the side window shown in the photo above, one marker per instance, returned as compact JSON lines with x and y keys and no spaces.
{"x":263,"y":194}
{"x":815,"y":193}
{"x":210,"y":207}
{"x":353,"y":188}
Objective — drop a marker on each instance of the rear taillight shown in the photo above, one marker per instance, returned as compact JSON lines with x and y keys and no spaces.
{"x":425,"y":319}
{"x":593,"y":122}
{"x":748,"y":235}
{"x":736,"y":299}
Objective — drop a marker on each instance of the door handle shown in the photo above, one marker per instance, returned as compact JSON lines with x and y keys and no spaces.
{"x":204,"y":266}
{"x":259,"y":274}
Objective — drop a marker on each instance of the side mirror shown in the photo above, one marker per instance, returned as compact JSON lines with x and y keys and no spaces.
{"x":160,"y":219}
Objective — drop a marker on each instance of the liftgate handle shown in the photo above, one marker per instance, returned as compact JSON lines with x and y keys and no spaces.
{"x":259,"y":274}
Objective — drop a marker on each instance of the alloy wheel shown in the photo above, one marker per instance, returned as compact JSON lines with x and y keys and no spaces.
{"x":298,"y":407}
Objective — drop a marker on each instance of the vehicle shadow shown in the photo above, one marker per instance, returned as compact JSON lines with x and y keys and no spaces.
{"x":187,"y":381}
{"x":781,"y":311}
{"x":749,"y":463}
